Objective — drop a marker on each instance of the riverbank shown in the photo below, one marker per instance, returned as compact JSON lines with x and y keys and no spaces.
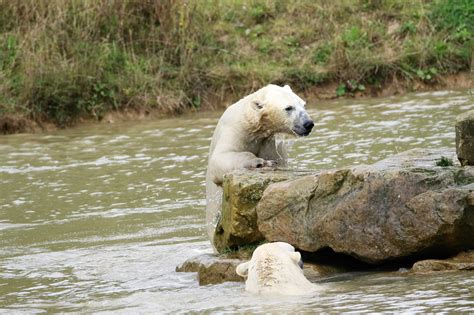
{"x":17,"y":123}
{"x":62,"y":63}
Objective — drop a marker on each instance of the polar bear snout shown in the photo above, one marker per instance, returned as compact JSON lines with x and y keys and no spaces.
{"x":308,"y":125}
{"x":305,"y":128}
{"x":302,"y":122}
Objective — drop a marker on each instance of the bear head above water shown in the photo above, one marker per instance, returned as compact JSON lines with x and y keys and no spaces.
{"x":278,"y":110}
{"x":276,"y":268}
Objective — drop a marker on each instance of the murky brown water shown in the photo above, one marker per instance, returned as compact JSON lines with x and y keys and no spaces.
{"x":95,"y":219}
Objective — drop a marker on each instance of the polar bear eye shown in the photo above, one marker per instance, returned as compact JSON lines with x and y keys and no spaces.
{"x":289,"y":108}
{"x":258,"y":105}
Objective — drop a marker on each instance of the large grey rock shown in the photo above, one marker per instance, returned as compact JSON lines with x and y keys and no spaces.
{"x":400,"y":207}
{"x":465,"y":138}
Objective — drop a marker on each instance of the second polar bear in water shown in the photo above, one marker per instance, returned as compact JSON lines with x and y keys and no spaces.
{"x":275,"y":268}
{"x":245,"y":138}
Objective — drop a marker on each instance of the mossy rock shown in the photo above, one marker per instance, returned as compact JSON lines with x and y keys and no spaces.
{"x":242,"y":190}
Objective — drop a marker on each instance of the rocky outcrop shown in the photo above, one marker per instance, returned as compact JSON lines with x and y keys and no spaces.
{"x":400,"y":207}
{"x":396,"y":208}
{"x":462,"y":261}
{"x":465,"y":138}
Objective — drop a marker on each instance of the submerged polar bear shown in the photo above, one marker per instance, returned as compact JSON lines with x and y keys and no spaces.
{"x":275,"y":268}
{"x":245,"y":138}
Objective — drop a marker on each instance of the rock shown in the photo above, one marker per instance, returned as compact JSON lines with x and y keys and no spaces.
{"x":316,"y":272}
{"x":404,"y":206}
{"x":400,"y":207}
{"x":212,"y":269}
{"x":242,"y":191}
{"x":463,"y":261}
{"x":465,"y":138}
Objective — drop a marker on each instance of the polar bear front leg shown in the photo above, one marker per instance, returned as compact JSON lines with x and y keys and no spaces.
{"x":225,"y":162}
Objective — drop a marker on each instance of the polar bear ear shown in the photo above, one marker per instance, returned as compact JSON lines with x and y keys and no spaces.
{"x":287,"y":88}
{"x":257,"y":105}
{"x":296,"y":257}
{"x":243,"y":269}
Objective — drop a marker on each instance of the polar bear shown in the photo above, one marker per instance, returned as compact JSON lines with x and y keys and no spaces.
{"x":245,"y":138}
{"x":275,"y":268}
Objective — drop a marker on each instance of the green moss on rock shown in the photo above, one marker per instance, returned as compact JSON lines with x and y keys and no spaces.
{"x":242,"y":191}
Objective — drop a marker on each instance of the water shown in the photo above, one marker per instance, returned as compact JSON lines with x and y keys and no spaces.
{"x":96,"y":218}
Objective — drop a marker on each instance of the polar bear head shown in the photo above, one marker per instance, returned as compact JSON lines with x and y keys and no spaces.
{"x":275,"y":268}
{"x":276,"y":109}
{"x":270,"y":256}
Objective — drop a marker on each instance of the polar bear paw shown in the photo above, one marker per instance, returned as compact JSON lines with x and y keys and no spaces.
{"x":261,"y":163}
{"x":270,"y":163}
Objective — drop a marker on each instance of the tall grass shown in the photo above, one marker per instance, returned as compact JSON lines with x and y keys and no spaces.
{"x":62,"y":60}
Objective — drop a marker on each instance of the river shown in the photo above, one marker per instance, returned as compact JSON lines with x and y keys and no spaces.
{"x":96,"y":218}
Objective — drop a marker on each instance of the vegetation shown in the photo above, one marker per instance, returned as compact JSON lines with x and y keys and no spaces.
{"x":444,"y":162}
{"x":241,"y":252}
{"x":63,"y":60}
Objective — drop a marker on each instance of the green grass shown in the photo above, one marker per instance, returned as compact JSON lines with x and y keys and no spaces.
{"x":444,"y":162}
{"x":65,"y":60}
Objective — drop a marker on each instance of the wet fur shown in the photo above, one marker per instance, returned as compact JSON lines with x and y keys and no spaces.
{"x":274,"y":269}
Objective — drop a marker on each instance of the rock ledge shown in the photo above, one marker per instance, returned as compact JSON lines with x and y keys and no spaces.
{"x":404,"y":206}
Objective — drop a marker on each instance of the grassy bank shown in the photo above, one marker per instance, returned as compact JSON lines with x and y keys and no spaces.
{"x":65,"y":60}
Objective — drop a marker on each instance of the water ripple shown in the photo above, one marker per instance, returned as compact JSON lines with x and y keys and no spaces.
{"x":95,"y":219}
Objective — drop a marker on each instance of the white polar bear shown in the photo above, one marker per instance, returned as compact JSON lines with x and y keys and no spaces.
{"x":245,"y":138}
{"x":275,"y":268}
